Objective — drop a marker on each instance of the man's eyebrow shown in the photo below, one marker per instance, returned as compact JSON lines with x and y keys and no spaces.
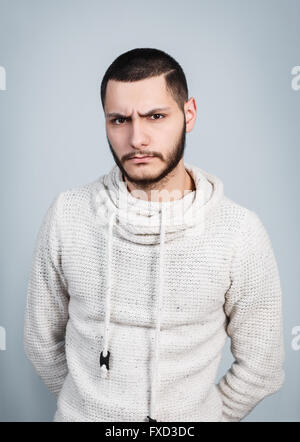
{"x":150,"y":112}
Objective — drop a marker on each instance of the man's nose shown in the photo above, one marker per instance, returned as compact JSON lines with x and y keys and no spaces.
{"x":138,"y":136}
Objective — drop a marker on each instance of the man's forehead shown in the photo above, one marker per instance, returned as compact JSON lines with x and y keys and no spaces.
{"x":138,"y":97}
{"x":148,"y":90}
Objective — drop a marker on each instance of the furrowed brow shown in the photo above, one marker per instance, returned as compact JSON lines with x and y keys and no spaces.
{"x":147,"y":114}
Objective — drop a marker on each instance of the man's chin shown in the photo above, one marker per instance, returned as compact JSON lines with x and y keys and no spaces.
{"x":142,"y":174}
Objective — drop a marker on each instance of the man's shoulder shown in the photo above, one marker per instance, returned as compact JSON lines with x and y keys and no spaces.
{"x":81,"y":190}
{"x":236,"y":214}
{"x":233,"y":208}
{"x":78,"y":198}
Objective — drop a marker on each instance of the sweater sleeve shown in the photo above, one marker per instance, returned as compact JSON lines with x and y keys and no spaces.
{"x":253,"y":307}
{"x":46,"y":312}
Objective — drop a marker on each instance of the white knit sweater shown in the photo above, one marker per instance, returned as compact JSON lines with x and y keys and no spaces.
{"x":154,"y":288}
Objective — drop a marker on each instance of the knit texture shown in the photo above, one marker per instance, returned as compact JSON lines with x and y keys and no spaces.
{"x":160,"y":292}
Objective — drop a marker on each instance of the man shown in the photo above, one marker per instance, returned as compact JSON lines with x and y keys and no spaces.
{"x":138,"y":277}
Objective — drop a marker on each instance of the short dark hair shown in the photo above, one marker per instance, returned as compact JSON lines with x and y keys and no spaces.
{"x":140,"y":63}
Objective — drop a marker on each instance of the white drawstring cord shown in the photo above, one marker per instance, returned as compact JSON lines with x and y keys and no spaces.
{"x":155,"y":379}
{"x":104,"y":357}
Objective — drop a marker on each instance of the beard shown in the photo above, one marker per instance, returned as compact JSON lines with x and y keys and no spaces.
{"x":171,"y":162}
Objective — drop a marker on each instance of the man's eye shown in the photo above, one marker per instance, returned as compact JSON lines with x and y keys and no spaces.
{"x":115,"y":120}
{"x":161,"y":115}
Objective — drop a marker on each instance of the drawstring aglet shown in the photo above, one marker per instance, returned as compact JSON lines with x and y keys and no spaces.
{"x":151,"y":420}
{"x":104,"y":364}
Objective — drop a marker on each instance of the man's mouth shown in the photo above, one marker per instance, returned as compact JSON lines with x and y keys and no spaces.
{"x":139,"y":159}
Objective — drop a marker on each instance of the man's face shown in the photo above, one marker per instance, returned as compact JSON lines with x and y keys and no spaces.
{"x":160,"y":134}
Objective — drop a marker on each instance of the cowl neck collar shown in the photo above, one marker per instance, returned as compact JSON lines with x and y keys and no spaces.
{"x":139,"y":220}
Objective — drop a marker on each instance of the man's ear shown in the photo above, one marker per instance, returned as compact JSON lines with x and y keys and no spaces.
{"x":190,"y":110}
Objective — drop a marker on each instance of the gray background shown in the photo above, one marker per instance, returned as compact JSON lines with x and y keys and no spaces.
{"x":237,"y":56}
